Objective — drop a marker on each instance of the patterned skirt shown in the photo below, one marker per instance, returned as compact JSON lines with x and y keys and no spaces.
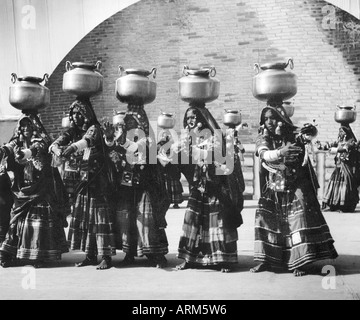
{"x":91,"y":227}
{"x":290,"y":230}
{"x":6,"y":202}
{"x":205,"y":240}
{"x":175,"y":190}
{"x":341,"y":192}
{"x":38,"y":235}
{"x":4,"y":220}
{"x":136,"y":230}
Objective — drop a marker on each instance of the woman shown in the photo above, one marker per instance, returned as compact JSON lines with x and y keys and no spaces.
{"x":83,"y":149}
{"x":36,"y":231}
{"x":171,"y":173}
{"x":6,"y":200}
{"x":342,"y":191}
{"x":290,"y":230}
{"x":142,"y":200}
{"x":209,"y":237}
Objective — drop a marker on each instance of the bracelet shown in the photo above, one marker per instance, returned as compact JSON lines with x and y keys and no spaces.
{"x":109,"y":143}
{"x":126,"y":144}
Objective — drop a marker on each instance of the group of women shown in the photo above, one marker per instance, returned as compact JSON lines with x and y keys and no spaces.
{"x":101,"y":176}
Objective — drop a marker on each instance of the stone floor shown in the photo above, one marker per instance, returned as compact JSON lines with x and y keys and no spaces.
{"x":62,"y":281}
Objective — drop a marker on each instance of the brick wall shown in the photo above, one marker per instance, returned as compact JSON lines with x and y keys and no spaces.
{"x":231,"y":35}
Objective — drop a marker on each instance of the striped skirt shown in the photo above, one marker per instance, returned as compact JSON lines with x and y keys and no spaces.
{"x":205,"y":240}
{"x":136,"y":230}
{"x":91,"y":227}
{"x":4,"y":221}
{"x":174,"y":189}
{"x":38,"y":235}
{"x":342,"y":192}
{"x":290,"y":230}
{"x":6,"y":202}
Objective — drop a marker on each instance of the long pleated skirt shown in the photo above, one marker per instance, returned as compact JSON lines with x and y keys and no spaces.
{"x":6,"y":202}
{"x":137,"y":232}
{"x":91,"y":227}
{"x":4,"y":221}
{"x":290,"y":230}
{"x":342,"y":190}
{"x":205,"y":240}
{"x":37,"y":235}
{"x":174,"y":189}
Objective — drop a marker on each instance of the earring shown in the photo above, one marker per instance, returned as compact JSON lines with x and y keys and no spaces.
{"x":278,"y":129}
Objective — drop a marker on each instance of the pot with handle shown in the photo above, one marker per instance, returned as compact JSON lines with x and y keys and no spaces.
{"x":345,"y":114}
{"x":289,"y":108}
{"x":166,"y":120}
{"x":27,"y":93}
{"x":135,"y":86}
{"x":65,"y":121}
{"x":273,"y":82}
{"x":232,"y":118}
{"x":199,"y":85}
{"x":119,"y":117}
{"x":82,"y":79}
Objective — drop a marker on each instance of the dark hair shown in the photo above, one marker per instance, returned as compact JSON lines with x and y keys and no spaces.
{"x":348,"y":131}
{"x":199,"y":117}
{"x":287,"y":129}
{"x":310,"y":129}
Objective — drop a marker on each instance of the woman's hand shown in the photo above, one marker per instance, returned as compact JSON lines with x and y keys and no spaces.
{"x":109,"y":131}
{"x":18,"y":153}
{"x":120,"y":134}
{"x":56,"y":150}
{"x":68,"y":151}
{"x":290,"y":151}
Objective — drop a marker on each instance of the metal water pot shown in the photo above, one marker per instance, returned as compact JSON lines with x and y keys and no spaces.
{"x":166,"y":120}
{"x":199,"y":85}
{"x":82,"y":79}
{"x":119,"y":117}
{"x":135,"y":87}
{"x":65,"y":121}
{"x":289,"y":108}
{"x":345,"y":114}
{"x":27,"y":93}
{"x":232,"y":118}
{"x":274,"y":82}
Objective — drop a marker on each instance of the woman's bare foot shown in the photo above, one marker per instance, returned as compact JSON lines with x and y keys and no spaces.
{"x":261,"y":268}
{"x":105,"y":263}
{"x":160,"y":262}
{"x":225,"y":269}
{"x":185,"y":265}
{"x":39,"y":264}
{"x":88,"y":261}
{"x":7,"y":263}
{"x":299,"y":272}
{"x":6,"y":260}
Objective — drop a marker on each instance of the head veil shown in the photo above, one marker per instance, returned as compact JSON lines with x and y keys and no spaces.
{"x":207,"y":120}
{"x":87,"y":111}
{"x":280,"y":112}
{"x":38,"y":130}
{"x":349,"y":133}
{"x":228,"y":188}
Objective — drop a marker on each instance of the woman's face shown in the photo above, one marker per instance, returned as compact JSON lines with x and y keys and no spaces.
{"x":78,"y":118}
{"x":191,"y":119}
{"x":342,"y":133}
{"x":26,"y":129}
{"x":270,"y":121}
